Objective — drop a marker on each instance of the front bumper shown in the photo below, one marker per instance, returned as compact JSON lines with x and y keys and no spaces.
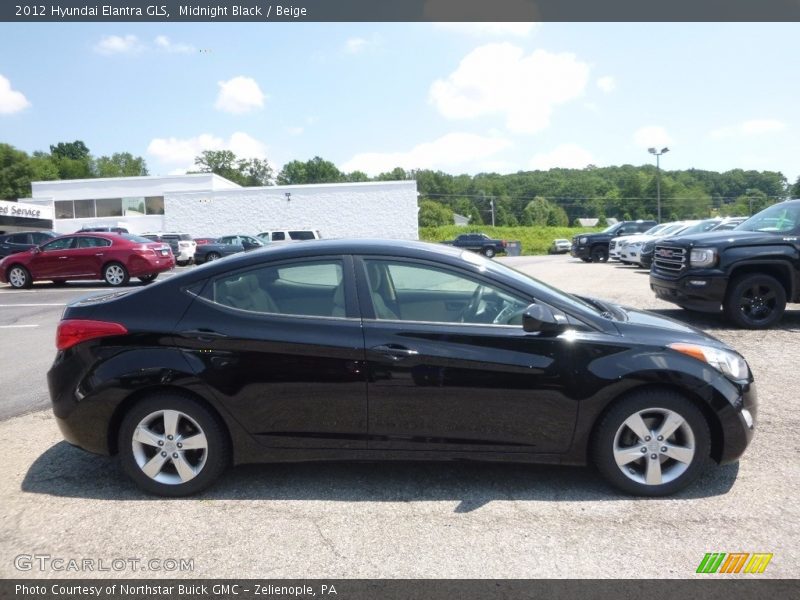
{"x":738,"y":422}
{"x":580,"y":251}
{"x":702,"y":292}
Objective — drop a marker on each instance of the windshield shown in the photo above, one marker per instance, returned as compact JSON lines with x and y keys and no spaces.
{"x":673,"y":228}
{"x":612,"y":228}
{"x":778,"y":218}
{"x":656,"y":229}
{"x":527,"y":281}
{"x":138,"y":239}
{"x":700,"y":227}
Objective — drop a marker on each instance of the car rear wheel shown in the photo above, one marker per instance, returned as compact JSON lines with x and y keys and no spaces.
{"x":115,"y":274}
{"x":652,"y":443}
{"x":489,"y":252}
{"x":213,"y":256}
{"x":599,"y":254}
{"x":171,"y":445}
{"x":755,"y":301}
{"x":148,"y":278}
{"x":19,"y":277}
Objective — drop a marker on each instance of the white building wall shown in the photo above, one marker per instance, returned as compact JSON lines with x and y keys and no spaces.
{"x":345,"y":210}
{"x":127,"y":187}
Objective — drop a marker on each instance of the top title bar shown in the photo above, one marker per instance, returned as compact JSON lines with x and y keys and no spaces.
{"x":401,"y":10}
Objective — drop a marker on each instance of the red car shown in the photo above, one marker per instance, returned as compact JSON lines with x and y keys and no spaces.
{"x":113,"y":257}
{"x":205,"y":240}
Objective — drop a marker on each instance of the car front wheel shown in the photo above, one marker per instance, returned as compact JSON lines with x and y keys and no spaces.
{"x":489,"y":252}
{"x":171,"y":445}
{"x":755,"y":301}
{"x":19,"y":277}
{"x":652,"y":443}
{"x":212,"y":256}
{"x":115,"y":274}
{"x":599,"y":254}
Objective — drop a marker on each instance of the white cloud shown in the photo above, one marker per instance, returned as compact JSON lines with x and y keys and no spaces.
{"x":490,"y":29}
{"x":652,"y":136}
{"x":355,"y":45}
{"x":500,"y":79}
{"x":118,"y":44}
{"x":183,"y":151}
{"x":607,"y":84}
{"x":449,"y":151}
{"x":566,"y":156}
{"x":11,"y":100}
{"x":162,"y":42}
{"x":751,"y":127}
{"x":239,"y":95}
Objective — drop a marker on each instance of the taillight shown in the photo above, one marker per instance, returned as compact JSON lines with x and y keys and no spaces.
{"x":75,"y":331}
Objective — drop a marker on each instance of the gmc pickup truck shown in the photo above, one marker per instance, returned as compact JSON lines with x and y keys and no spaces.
{"x":479,"y":242}
{"x":751,"y":271}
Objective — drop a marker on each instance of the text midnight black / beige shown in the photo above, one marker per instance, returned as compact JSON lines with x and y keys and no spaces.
{"x":264,"y":12}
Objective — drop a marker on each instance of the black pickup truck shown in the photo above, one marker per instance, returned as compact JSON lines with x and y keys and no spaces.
{"x":751,"y":271}
{"x":479,"y":242}
{"x":593,"y":247}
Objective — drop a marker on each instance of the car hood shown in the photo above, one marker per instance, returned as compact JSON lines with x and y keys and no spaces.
{"x":633,"y":239}
{"x":661,"y":330}
{"x":722,"y":239}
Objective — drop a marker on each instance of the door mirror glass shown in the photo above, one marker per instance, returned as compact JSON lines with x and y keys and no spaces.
{"x":539,"y":318}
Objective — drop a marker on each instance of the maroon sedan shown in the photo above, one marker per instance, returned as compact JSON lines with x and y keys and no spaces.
{"x":113,"y":257}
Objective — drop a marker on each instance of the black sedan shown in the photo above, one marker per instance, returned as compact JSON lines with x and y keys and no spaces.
{"x":390,"y":350}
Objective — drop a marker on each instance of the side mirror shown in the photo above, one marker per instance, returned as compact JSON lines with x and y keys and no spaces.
{"x":538,"y":318}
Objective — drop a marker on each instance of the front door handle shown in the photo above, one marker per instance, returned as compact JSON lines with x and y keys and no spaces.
{"x":395,"y":352}
{"x":203,"y":335}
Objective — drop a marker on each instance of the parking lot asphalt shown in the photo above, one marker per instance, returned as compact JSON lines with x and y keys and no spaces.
{"x":399,"y":519}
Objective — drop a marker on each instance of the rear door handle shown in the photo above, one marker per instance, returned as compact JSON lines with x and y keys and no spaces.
{"x":202,"y":335}
{"x":395,"y":352}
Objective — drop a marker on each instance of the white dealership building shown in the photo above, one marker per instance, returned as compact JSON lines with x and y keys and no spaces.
{"x":208,"y":205}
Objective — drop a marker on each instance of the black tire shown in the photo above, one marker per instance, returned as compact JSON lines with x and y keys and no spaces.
{"x":213,"y":256}
{"x":586,"y":260}
{"x":653,"y":405}
{"x":599,"y":254}
{"x":148,"y":278}
{"x":181,"y":263}
{"x":755,"y":301}
{"x":212,"y":461}
{"x":488,"y":252}
{"x":115,"y":274}
{"x":19,"y":277}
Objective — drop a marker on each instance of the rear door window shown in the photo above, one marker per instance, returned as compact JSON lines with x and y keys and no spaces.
{"x":278,"y":236}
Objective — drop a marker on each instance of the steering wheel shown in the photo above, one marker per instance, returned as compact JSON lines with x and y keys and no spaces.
{"x":471,"y":311}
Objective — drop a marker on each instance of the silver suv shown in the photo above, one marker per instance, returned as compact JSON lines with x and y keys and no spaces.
{"x":289,"y":235}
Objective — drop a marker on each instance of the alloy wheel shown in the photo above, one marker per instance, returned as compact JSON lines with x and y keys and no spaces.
{"x":169,"y":447}
{"x":654,"y":446}
{"x":115,"y":275}
{"x":758,"y":302}
{"x":17,"y":277}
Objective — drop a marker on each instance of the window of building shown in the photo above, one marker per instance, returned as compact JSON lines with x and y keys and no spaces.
{"x":109,"y":207}
{"x":64,"y":209}
{"x":134,"y":207}
{"x":84,"y":209}
{"x":154,"y":205}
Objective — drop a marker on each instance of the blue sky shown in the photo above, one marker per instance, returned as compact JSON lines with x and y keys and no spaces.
{"x":461,"y":98}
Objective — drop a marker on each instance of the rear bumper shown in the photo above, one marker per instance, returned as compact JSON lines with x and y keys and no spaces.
{"x":140,"y":265}
{"x":699,"y":292}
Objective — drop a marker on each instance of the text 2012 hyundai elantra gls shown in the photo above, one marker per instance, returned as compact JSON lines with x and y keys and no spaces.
{"x":390,"y":350}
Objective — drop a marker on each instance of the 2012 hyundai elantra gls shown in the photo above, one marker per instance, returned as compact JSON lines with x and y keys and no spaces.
{"x":390,"y":350}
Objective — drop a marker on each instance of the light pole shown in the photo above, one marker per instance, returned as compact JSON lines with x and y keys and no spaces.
{"x":658,"y":175}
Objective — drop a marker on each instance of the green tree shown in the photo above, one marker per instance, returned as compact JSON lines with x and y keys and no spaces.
{"x":15,"y":173}
{"x":357,"y":176}
{"x":396,"y":174}
{"x":120,"y":164}
{"x":245,"y":172}
{"x":76,"y":150}
{"x":316,"y":170}
{"x":433,"y":214}
{"x":795,"y":190}
{"x":537,"y":212}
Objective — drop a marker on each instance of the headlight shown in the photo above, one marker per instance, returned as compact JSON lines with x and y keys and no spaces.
{"x":583,"y":240}
{"x":727,"y":362}
{"x":703,"y":257}
{"x":648,"y":247}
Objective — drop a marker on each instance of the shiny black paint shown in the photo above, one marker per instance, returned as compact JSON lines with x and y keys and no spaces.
{"x":293,"y":388}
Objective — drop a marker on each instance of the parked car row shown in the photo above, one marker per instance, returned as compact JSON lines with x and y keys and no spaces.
{"x":113,"y":255}
{"x":748,"y":268}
